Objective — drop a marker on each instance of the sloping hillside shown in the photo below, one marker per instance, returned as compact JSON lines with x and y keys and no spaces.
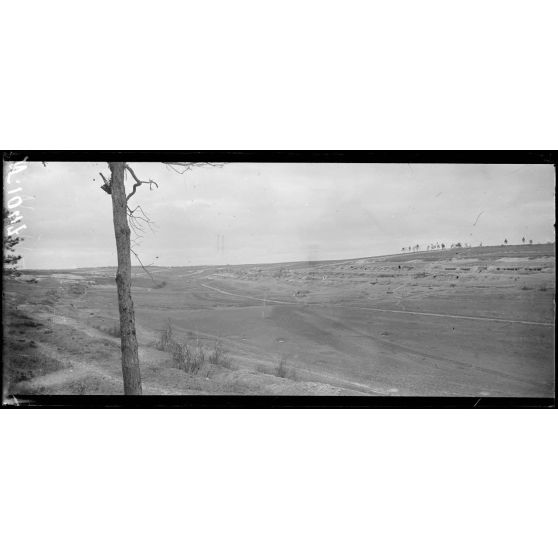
{"x":469,"y":321}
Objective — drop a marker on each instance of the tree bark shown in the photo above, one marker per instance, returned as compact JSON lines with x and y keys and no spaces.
{"x":128,"y":340}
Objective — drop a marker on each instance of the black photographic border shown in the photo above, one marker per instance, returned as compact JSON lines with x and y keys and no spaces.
{"x":281,"y":401}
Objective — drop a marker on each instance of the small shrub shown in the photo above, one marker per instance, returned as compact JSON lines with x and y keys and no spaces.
{"x":219,"y":356}
{"x":281,"y":369}
{"x":77,"y":289}
{"x":543,"y":288}
{"x":189,"y":360}
{"x":165,"y":339}
{"x":525,"y":288}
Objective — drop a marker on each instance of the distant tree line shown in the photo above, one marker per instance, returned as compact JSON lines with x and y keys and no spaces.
{"x":418,"y":247}
{"x":523,"y":241}
{"x":442,"y":246}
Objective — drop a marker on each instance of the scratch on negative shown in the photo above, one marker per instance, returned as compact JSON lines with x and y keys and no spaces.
{"x":477,"y":218}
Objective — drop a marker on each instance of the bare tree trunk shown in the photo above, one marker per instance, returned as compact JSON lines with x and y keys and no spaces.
{"x":128,"y":340}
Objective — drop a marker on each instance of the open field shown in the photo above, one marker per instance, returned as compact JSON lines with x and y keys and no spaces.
{"x":459,"y":322}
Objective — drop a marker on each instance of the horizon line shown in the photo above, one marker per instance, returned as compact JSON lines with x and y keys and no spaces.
{"x":285,"y":262}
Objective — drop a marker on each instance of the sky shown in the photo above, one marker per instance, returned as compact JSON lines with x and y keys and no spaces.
{"x":273,"y":212}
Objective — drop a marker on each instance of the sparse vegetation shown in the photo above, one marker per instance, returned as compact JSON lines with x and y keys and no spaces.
{"x":187,"y":359}
{"x":219,"y":356}
{"x":181,"y":354}
{"x":77,"y":288}
{"x":166,"y":338}
{"x":281,"y":370}
{"x":23,"y":366}
{"x":114,"y":330}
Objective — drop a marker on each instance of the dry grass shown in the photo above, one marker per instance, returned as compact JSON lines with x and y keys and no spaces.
{"x":187,"y":358}
{"x":165,"y":338}
{"x":282,"y":370}
{"x":24,"y":362}
{"x":220,"y":357}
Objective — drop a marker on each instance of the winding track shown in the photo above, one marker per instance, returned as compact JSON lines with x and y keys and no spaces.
{"x":454,"y":316}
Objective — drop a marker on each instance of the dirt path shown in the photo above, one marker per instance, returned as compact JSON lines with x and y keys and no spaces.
{"x":91,"y":358}
{"x":453,"y":316}
{"x":249,"y":297}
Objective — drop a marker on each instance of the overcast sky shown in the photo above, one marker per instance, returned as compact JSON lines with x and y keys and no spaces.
{"x":282,"y":212}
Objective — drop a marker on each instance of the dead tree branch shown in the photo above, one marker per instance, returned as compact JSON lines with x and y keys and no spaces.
{"x":185,"y":167}
{"x":137,"y":218}
{"x":138,"y":182}
{"x":143,"y":266}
